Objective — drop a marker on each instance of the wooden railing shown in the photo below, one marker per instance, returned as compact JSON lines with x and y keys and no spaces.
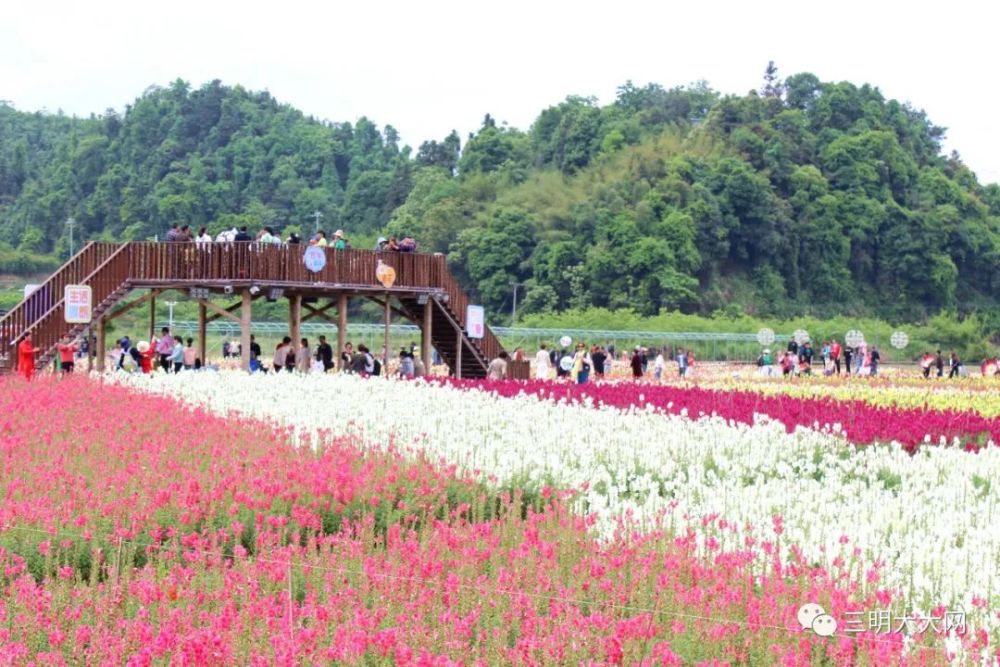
{"x":103,"y":266}
{"x":212,"y":263}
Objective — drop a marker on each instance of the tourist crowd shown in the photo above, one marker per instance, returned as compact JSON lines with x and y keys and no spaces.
{"x":184,"y":234}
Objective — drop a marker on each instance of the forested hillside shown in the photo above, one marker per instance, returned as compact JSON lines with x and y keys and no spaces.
{"x":802,"y":197}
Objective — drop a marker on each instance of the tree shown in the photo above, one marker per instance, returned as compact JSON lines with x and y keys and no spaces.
{"x":773,"y":87}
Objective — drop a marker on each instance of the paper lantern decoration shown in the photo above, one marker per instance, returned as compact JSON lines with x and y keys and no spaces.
{"x":385,"y":274}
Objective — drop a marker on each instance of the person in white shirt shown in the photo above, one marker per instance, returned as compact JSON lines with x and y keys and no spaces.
{"x":542,"y":364}
{"x":203,"y":236}
{"x":659,"y":365}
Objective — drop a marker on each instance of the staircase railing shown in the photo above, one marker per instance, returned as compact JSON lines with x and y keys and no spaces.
{"x":104,"y":279}
{"x":25,"y":314}
{"x":458,"y":304}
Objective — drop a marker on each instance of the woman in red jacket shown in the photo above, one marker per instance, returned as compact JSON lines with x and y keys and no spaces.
{"x":26,"y":357}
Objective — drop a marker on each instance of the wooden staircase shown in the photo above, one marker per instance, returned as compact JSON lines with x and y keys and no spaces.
{"x":102,"y":266}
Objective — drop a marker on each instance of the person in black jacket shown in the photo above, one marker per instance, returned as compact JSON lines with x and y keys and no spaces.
{"x":324,"y":353}
{"x":954,"y":362}
{"x":243,"y":235}
{"x":939,"y":364}
{"x":598,"y":356}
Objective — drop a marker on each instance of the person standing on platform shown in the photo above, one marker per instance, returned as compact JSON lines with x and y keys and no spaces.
{"x":26,"y":352}
{"x":542,"y":363}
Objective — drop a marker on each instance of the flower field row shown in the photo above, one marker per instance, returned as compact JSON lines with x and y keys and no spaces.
{"x":984,"y":400}
{"x":862,"y":422}
{"x":145,"y":532}
{"x":834,"y":502}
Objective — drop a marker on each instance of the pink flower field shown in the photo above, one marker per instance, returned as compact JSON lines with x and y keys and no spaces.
{"x":135,"y":530}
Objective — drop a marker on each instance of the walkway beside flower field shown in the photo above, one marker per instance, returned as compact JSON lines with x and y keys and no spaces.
{"x":174,"y":535}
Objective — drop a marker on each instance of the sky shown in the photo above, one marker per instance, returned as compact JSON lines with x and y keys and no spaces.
{"x":431,"y":66}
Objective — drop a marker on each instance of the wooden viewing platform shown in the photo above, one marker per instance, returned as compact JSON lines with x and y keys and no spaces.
{"x":424,"y":292}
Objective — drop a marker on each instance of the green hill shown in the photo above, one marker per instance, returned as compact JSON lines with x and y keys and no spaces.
{"x":802,"y":198}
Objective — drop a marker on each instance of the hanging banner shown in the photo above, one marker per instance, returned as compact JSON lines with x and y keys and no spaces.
{"x":475,"y":321}
{"x":79,"y":304}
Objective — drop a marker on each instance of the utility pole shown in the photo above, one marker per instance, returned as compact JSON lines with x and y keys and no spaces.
{"x":170,"y":318}
{"x":70,"y":223}
{"x":317,"y":215}
{"x":513,"y":311}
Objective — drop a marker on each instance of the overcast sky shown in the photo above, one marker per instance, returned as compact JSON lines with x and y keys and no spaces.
{"x":429,"y":66}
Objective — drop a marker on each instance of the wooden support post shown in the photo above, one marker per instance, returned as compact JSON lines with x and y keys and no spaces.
{"x":295,"y":319}
{"x":203,"y":334}
{"x":245,"y":322}
{"x":385,"y":343}
{"x":102,"y":350}
{"x":341,"y":328}
{"x":458,"y":353}
{"x":90,"y":349}
{"x":152,"y":317}
{"x":425,"y":333}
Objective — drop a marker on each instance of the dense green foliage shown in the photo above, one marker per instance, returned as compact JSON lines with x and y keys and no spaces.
{"x":216,"y":156}
{"x":804,"y":198}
